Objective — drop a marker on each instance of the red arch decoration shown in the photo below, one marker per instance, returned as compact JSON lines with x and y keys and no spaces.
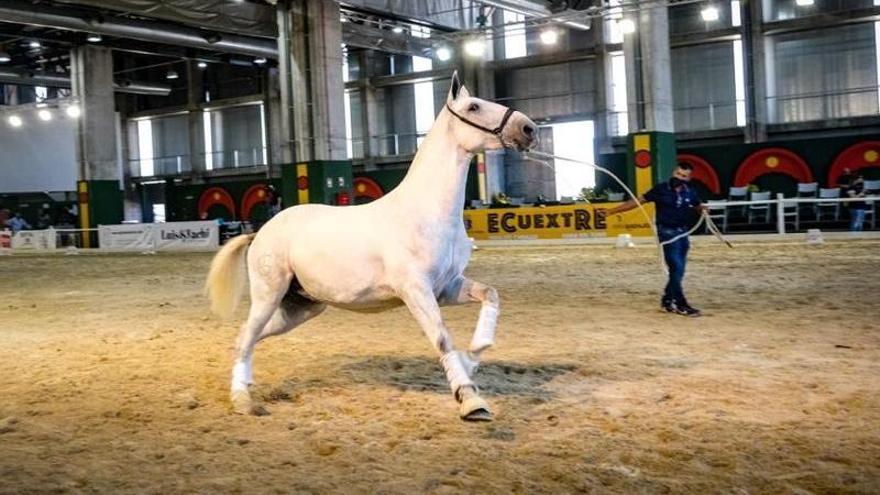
{"x":365,"y":187}
{"x":772,"y":161}
{"x":858,"y":156}
{"x":703,"y":172}
{"x":255,"y":195}
{"x":216,"y":196}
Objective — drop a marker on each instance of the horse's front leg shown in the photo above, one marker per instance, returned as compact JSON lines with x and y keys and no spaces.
{"x":420,"y":300}
{"x":463,"y":290}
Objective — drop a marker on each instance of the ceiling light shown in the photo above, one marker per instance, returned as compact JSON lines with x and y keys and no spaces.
{"x":14,"y":121}
{"x":202,"y":65}
{"x":94,"y":38}
{"x":709,"y":14}
{"x":549,"y":36}
{"x":475,"y":48}
{"x":172,"y":74}
{"x":4,"y":57}
{"x":34,"y":44}
{"x":443,"y":54}
{"x":260,"y":60}
{"x":397,"y":29}
{"x":73,"y":111}
{"x":805,"y":3}
{"x":627,"y":26}
{"x":45,"y":115}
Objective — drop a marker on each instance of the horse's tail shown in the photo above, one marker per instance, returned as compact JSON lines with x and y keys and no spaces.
{"x":228,"y":274}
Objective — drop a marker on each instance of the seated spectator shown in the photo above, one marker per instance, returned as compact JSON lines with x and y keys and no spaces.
{"x":16,"y":223}
{"x":857,"y":208}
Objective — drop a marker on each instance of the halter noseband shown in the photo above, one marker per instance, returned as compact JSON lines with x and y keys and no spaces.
{"x":496,"y":131}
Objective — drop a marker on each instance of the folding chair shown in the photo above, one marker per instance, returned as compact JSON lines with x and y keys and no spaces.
{"x":808,"y":190}
{"x":761,"y":210}
{"x":832,"y":206}
{"x":791,"y":211}
{"x":738,"y":194}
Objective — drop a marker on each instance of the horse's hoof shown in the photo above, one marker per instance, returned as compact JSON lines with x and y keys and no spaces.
{"x":475,"y":409}
{"x":244,"y":405}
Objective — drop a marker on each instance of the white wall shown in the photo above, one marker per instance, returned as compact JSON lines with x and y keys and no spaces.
{"x":38,"y":156}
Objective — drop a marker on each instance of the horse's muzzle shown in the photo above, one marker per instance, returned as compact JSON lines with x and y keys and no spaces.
{"x":522,"y":132}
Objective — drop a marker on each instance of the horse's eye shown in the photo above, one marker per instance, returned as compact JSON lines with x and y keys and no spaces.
{"x":474,"y":107}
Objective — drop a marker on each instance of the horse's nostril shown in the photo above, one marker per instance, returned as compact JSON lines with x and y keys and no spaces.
{"x":528,"y":130}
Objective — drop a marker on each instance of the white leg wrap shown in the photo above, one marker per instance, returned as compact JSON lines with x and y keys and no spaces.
{"x":484,"y":334}
{"x":456,"y":373}
{"x":470,"y":361}
{"x":240,"y":376}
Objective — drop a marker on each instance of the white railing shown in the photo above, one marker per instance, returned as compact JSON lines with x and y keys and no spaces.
{"x":779,"y":205}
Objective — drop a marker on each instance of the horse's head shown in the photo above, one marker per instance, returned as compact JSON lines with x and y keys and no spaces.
{"x":482,"y":125}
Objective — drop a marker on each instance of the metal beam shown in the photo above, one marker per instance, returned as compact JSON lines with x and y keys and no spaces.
{"x":534,"y":9}
{"x":22,"y":12}
{"x":399,"y":79}
{"x":372,"y":38}
{"x":821,"y":21}
{"x":542,"y":60}
{"x":63,"y":81}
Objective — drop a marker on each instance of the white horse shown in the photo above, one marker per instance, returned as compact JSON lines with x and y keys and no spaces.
{"x":409,"y":247}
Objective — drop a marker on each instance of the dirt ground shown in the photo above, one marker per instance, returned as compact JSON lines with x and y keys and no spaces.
{"x":114,"y":379}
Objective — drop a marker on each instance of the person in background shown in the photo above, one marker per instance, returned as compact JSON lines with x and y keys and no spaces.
{"x":273,"y":201}
{"x":44,"y":221}
{"x":17,"y":223}
{"x":4,"y":218}
{"x":844,"y":180}
{"x":675,"y":202}
{"x":857,"y":208}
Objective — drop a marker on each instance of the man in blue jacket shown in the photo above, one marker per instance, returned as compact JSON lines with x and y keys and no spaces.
{"x":675,"y":202}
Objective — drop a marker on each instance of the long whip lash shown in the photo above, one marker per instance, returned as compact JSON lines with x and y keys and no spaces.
{"x":704,"y":216}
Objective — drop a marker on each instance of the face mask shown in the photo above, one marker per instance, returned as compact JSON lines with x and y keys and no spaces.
{"x":675,"y":182}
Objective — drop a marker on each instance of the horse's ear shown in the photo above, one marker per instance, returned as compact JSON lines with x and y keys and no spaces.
{"x":455,"y":87}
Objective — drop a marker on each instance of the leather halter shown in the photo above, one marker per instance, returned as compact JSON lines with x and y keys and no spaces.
{"x":496,"y":131}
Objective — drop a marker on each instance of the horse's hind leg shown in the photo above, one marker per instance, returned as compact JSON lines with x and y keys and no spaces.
{"x":267,"y":291}
{"x":293,"y":311}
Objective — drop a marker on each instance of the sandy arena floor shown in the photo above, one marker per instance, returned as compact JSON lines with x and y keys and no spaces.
{"x":114,"y":380}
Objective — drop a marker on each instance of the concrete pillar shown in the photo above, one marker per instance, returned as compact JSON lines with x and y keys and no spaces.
{"x":284,"y":133}
{"x":369,"y":110}
{"x":312,"y":35}
{"x":758,"y":77}
{"x":651,"y":154}
{"x":195,"y":118}
{"x":648,"y":63}
{"x":276,"y":138}
{"x":97,"y":145}
{"x":602,"y":84}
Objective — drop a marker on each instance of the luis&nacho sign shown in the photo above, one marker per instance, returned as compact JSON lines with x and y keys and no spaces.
{"x":555,"y":222}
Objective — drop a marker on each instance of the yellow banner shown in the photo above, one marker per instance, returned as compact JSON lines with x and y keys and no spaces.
{"x":555,"y":222}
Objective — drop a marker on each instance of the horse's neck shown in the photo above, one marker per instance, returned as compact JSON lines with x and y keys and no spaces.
{"x":436,"y":179}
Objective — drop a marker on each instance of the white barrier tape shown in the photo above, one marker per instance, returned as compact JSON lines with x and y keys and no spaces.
{"x":456,"y":373}
{"x":484,"y":334}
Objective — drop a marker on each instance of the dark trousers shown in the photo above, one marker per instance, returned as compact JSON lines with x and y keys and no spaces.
{"x":675,"y":255}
